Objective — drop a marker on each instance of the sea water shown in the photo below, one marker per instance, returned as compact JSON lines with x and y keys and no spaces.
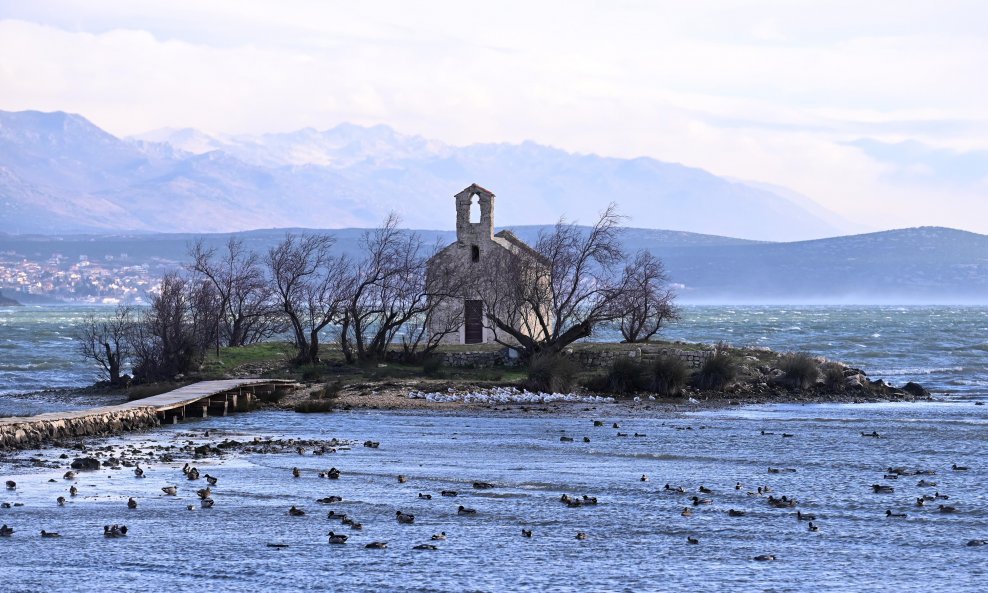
{"x":636,"y":536}
{"x":945,"y":348}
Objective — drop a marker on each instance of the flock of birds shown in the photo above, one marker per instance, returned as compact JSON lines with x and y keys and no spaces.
{"x":695,"y":498}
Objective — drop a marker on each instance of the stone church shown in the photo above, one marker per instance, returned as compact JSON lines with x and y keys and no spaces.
{"x":475,"y":243}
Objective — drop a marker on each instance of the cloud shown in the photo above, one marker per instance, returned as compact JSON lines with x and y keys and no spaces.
{"x":915,"y":162}
{"x":773,"y":90}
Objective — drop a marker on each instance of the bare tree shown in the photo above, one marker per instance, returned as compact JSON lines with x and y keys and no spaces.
{"x":573,"y":283}
{"x":246,"y":312}
{"x":104,"y":339}
{"x":175,"y":331}
{"x":309,"y":286}
{"x":646,"y":300}
{"x":162,"y":346}
{"x":389,"y":290}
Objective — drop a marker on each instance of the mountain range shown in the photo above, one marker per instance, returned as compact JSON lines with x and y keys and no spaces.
{"x":60,"y":173}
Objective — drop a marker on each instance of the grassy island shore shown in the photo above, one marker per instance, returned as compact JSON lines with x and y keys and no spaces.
{"x":728,"y":376}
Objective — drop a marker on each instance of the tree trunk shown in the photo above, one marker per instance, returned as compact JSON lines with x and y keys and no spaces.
{"x":113,"y":362}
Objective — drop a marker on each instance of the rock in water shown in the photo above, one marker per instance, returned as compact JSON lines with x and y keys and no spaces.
{"x":86,"y":463}
{"x":915,"y":390}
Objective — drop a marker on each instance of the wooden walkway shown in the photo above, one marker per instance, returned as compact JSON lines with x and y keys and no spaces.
{"x":198,"y":399}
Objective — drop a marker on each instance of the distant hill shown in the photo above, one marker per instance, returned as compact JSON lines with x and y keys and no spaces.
{"x":920,"y":265}
{"x":8,"y":302}
{"x":60,"y":174}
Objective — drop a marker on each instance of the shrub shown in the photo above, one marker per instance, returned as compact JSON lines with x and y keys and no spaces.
{"x":799,"y":370}
{"x":314,"y":406}
{"x":716,"y":372}
{"x":552,"y":373}
{"x":833,"y":377}
{"x":626,"y":376}
{"x":329,"y":390}
{"x":312,"y":372}
{"x":668,"y":375}
{"x":432,"y":365}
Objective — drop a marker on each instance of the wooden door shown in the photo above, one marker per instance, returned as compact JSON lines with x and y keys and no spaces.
{"x":473,"y":322}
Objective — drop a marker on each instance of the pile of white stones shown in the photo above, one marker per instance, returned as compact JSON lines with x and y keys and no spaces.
{"x":507,"y":395}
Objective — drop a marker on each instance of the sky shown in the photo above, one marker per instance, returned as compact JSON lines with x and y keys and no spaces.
{"x":876,"y":110}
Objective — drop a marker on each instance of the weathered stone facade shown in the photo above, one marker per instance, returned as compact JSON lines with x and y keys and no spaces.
{"x":475,"y":245}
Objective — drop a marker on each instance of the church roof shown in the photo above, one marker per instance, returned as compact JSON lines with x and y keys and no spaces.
{"x":520,"y":245}
{"x":473,"y":188}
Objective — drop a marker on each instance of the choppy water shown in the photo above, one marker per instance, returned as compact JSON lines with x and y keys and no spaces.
{"x":636,"y":536}
{"x":944,"y":348}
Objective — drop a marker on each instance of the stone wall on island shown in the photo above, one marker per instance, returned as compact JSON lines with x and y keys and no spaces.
{"x":587,"y":357}
{"x":603,"y":358}
{"x":23,"y":433}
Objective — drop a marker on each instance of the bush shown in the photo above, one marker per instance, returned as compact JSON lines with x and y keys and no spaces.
{"x":799,"y":370}
{"x":329,"y":390}
{"x":833,"y":377}
{"x":716,"y":372}
{"x":432,"y":365}
{"x":314,"y":406}
{"x":668,"y":375}
{"x":312,"y":372}
{"x":552,"y":373}
{"x":626,"y":376}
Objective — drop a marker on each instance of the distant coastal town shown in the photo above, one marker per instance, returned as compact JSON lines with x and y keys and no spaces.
{"x":109,"y":280}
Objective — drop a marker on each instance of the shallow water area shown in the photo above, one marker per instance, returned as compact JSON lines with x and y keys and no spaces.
{"x":636,"y":534}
